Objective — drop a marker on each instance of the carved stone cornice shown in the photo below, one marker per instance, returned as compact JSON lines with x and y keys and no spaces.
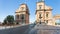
{"x":44,"y":10}
{"x":23,"y":11}
{"x":19,"y":11}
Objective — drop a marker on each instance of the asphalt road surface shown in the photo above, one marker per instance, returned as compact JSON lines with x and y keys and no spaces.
{"x":19,"y":30}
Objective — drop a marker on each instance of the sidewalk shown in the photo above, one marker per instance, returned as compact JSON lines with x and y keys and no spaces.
{"x":7,"y":27}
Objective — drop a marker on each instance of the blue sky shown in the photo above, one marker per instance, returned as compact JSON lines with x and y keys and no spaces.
{"x":8,"y":7}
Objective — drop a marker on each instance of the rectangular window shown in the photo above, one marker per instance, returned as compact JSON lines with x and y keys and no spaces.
{"x":46,"y":15}
{"x":22,"y":8}
{"x":22,"y":17}
{"x":40,"y":21}
{"x":40,"y":7}
{"x":46,"y":21}
{"x":40,"y":16}
{"x":17,"y":16}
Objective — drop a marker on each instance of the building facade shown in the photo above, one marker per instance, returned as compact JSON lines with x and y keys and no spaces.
{"x":22,"y":14}
{"x":55,"y":18}
{"x":43,"y":13}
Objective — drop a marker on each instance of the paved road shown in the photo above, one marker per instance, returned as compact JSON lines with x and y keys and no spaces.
{"x":19,"y":30}
{"x":31,"y":29}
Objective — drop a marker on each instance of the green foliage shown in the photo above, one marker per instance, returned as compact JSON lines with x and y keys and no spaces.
{"x":9,"y":19}
{"x":57,"y":23}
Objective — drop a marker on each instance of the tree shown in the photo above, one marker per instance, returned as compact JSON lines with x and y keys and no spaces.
{"x":5,"y":21}
{"x":9,"y":19}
